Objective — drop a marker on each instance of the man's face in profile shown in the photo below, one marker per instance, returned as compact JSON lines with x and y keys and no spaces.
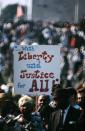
{"x":62,"y":100}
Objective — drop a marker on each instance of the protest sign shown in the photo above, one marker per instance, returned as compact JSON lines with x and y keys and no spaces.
{"x":36,"y":69}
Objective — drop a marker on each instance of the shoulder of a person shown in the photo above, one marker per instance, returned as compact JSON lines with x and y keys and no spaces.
{"x":36,"y":116}
{"x":74,"y":110}
{"x":56,"y":112}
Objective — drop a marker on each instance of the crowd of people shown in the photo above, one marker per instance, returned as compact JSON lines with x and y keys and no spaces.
{"x":71,"y":37}
{"x":21,"y":112}
{"x":64,"y":111}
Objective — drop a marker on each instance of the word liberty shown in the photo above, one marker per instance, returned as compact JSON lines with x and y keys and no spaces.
{"x":29,"y":56}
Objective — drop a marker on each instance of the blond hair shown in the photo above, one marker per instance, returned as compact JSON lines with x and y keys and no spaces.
{"x":26,"y":100}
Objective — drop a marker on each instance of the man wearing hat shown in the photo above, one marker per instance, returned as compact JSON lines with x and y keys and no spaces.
{"x":65,"y":117}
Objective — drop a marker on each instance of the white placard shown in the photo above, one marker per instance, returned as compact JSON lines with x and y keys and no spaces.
{"x":36,"y":69}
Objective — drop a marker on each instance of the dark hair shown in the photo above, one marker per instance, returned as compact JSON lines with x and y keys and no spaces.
{"x":72,"y":91}
{"x":46,"y":98}
{"x":61,"y":93}
{"x":54,"y":88}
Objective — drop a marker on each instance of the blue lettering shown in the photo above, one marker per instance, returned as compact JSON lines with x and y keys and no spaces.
{"x":25,"y":48}
{"x":19,"y":85}
{"x":34,"y":65}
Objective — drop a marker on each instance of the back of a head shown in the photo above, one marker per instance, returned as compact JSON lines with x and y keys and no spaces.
{"x":61,"y":93}
{"x":46,"y":99}
{"x":54,"y":88}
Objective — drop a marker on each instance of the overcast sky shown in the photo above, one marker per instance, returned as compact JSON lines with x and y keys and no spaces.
{"x":6,"y":2}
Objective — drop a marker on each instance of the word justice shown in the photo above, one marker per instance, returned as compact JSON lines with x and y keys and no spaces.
{"x":29,"y":56}
{"x":36,"y":74}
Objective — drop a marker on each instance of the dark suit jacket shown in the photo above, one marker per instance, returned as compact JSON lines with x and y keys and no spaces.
{"x":80,"y":124}
{"x":70,"y":121}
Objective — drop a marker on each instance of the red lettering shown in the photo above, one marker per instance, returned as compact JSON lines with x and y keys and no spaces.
{"x":42,"y":89}
{"x":29,"y":56}
{"x":36,"y":74}
{"x":34,"y":56}
{"x":34,"y":86}
{"x":44,"y":55}
{"x":46,"y":89}
{"x":46,"y":75}
{"x":22,"y":75}
{"x":21,"y":57}
{"x":43,"y":85}
{"x":51,"y":75}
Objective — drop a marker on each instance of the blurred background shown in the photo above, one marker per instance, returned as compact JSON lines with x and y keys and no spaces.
{"x":60,"y":10}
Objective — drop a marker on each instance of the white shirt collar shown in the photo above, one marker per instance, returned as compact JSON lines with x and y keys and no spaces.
{"x":65,"y":113}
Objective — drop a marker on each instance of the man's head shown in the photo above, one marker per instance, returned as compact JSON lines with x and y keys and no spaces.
{"x":42,"y":100}
{"x":72,"y":94}
{"x":81,"y":98}
{"x":61,"y":96}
